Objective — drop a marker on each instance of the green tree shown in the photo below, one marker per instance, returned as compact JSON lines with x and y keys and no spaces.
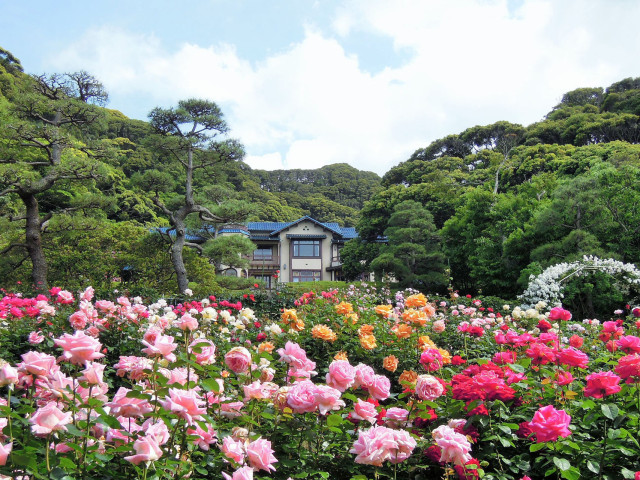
{"x":413,"y":255}
{"x":189,"y":135}
{"x":42,"y":151}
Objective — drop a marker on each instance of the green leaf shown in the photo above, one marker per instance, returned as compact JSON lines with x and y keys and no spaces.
{"x":562,"y":463}
{"x":609,"y":410}
{"x":210,"y":385}
{"x":537,"y":446}
{"x":334,"y":420}
{"x":67,"y":463}
{"x":516,"y":368}
{"x":109,"y":421}
{"x":593,"y":466}
{"x":571,"y":474}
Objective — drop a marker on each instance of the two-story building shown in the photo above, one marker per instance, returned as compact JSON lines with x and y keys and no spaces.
{"x":301,"y":251}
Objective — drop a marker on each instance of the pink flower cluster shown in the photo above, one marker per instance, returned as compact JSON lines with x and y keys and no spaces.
{"x":378,"y":444}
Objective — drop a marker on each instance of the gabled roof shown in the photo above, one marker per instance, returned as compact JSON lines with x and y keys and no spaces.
{"x":333,"y":227}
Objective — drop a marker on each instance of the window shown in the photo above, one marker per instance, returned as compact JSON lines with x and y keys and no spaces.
{"x":265,"y":278}
{"x":263,"y":253}
{"x":306,"y":248}
{"x":230,"y":272}
{"x":306,"y":275}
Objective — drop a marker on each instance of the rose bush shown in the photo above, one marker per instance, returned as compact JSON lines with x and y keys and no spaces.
{"x":351,"y":384}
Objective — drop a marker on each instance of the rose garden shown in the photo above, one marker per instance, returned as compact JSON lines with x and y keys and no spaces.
{"x":354,"y":383}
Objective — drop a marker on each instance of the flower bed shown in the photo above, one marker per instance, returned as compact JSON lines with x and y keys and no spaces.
{"x":344,"y":385}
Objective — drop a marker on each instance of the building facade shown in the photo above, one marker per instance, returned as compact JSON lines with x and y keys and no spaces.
{"x":301,"y":251}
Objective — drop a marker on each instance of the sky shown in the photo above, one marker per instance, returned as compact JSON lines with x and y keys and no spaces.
{"x":307,"y":83}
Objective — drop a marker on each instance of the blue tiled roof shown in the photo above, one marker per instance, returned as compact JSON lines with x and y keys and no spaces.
{"x":267,"y":226}
{"x":191,"y":237}
{"x":233,"y":230}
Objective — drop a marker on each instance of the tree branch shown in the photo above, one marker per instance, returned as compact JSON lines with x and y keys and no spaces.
{"x":194,"y":246}
{"x":12,"y":246}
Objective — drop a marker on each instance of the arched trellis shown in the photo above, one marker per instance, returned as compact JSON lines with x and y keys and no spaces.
{"x":548,"y":286}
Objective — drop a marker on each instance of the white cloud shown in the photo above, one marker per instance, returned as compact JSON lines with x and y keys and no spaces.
{"x":473,"y":62}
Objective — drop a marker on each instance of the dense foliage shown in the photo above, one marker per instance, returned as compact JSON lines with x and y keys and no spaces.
{"x":509,"y":201}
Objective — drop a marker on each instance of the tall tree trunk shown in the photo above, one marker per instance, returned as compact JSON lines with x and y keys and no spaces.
{"x":176,"y":257}
{"x":34,"y":242}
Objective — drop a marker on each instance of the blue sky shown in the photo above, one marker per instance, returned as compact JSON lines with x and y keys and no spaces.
{"x":306,"y":83}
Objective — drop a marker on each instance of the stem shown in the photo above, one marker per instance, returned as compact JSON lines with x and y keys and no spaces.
{"x":604,"y":450}
{"x":9,"y":421}
{"x":46,"y":452}
{"x":86,"y":439}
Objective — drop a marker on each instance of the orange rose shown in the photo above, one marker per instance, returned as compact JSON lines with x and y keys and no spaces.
{"x":323,"y":333}
{"x":429,"y":310}
{"x":341,"y":355}
{"x":384,"y":310}
{"x":365,"y":330}
{"x":403,"y":330}
{"x":353,"y":317}
{"x":344,"y":308}
{"x":425,"y":342}
{"x":415,"y":316}
{"x":446,"y":356}
{"x":297,"y":325}
{"x":266,"y":347}
{"x":368,"y":342}
{"x":408,"y":378}
{"x":416,"y":301}
{"x":289,"y":315}
{"x":390,"y":363}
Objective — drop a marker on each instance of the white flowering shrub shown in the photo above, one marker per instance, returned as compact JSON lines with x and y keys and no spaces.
{"x":548,"y":286}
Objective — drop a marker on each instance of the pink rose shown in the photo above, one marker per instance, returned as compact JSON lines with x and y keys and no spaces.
{"x":341,"y":375}
{"x":202,"y":437}
{"x":147,"y":450}
{"x":162,"y":346}
{"x":327,"y":398}
{"x":121,"y":405}
{"x":65,"y":297}
{"x":5,"y":450}
{"x":573,"y":357}
{"x":378,"y":444}
{"x":294,"y":355}
{"x":37,"y":363}
{"x":78,"y":320}
{"x":558,"y":313}
{"x":500,"y":358}
{"x":260,"y":390}
{"x":629,"y":368}
{"x":301,"y":398}
{"x":260,"y":455}
{"x":49,"y":419}
{"x":238,"y":359}
{"x":87,"y":295}
{"x":364,"y":376}
{"x":380,"y":389}
{"x":243,"y":473}
{"x":93,"y":373}
{"x":233,"y":449}
{"x":8,"y":375}
{"x":365,"y":411}
{"x":601,"y":384}
{"x":79,"y":348}
{"x":187,"y":404}
{"x":428,"y":387}
{"x":204,"y":350}
{"x":187,"y":322}
{"x":156,"y":430}
{"x":431,"y":359}
{"x":396,"y":416}
{"x":35,"y":338}
{"x":548,"y":424}
{"x":563,"y":378}
{"x":454,"y":446}
{"x":629,"y":344}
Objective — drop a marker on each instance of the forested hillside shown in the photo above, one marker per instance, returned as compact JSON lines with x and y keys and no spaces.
{"x":82,"y":187}
{"x":506,"y":200}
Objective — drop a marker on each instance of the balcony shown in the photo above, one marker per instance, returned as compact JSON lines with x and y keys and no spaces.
{"x":272,"y":262}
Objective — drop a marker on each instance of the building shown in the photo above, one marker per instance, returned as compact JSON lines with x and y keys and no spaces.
{"x":301,"y":251}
